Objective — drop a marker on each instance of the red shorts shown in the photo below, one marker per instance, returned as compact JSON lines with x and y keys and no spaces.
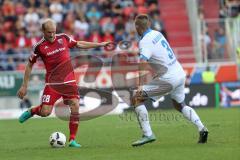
{"x":52,"y":93}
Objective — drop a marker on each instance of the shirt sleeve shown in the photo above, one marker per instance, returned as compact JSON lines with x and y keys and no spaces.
{"x":145,"y":51}
{"x":33,"y":57}
{"x":70,"y":41}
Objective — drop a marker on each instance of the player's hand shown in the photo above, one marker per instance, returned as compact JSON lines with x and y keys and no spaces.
{"x":103,"y":44}
{"x":22,"y":92}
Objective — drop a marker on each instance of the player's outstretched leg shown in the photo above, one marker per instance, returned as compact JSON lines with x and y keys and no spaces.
{"x":192,"y":116}
{"x":142,"y":117}
{"x":29,"y":113}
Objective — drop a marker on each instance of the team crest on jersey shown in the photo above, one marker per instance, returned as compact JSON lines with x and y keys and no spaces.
{"x":60,"y":41}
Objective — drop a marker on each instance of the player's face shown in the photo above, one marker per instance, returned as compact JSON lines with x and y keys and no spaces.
{"x":49,"y":33}
{"x":138,"y":30}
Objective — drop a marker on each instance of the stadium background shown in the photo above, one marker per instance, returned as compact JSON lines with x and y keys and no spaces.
{"x":205,"y":37}
{"x":203,"y":34}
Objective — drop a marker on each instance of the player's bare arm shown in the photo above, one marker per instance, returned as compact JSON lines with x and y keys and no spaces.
{"x":88,"y":45}
{"x":23,"y":90}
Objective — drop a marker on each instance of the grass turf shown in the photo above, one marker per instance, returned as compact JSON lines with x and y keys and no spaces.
{"x":110,"y":137}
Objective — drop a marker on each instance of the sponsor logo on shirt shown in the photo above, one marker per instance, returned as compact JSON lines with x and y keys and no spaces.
{"x":56,"y":51}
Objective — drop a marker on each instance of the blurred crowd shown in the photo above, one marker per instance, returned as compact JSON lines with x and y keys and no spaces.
{"x":216,"y":42}
{"x":90,"y":20}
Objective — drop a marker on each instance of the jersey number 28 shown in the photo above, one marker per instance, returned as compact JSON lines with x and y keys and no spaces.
{"x":46,"y":98}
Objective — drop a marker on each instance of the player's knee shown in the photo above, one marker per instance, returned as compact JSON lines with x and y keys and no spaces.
{"x":46,"y":111}
{"x":71,"y":102}
{"x":178,"y":106}
{"x":138,"y":99}
{"x":74,"y":105}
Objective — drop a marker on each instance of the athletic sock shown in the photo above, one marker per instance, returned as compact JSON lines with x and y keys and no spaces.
{"x":142,"y":116}
{"x":73,"y":125}
{"x":36,"y":110}
{"x":192,"y":116}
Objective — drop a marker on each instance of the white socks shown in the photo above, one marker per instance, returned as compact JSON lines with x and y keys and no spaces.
{"x":143,"y":119}
{"x":192,"y":116}
{"x":142,"y":116}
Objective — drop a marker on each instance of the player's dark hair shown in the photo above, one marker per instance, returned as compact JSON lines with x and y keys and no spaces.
{"x":43,"y":26}
{"x":142,"y":20}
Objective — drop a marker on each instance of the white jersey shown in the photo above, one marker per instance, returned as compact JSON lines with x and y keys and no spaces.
{"x":156,"y":50}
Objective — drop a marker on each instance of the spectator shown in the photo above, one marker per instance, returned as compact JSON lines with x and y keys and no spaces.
{"x":20,"y":24}
{"x":19,"y":9}
{"x":81,"y":28}
{"x":11,"y":66}
{"x":108,"y":25}
{"x":220,"y":39}
{"x":31,"y":16}
{"x":142,"y":9}
{"x":93,"y":13}
{"x":21,"y":41}
{"x":68,"y":23}
{"x":157,"y":24}
{"x":80,"y":6}
{"x":56,"y":10}
{"x":120,"y":35}
{"x":95,"y":37}
{"x":91,"y":4}
{"x":68,"y":6}
{"x":206,"y":42}
{"x":8,"y":10}
{"x":108,"y":37}
{"x":208,"y":76}
{"x":129,"y":25}
{"x":222,"y":15}
{"x":106,"y":6}
{"x":120,"y":24}
{"x":94,"y":25}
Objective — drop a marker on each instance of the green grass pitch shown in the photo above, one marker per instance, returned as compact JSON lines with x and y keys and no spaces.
{"x":110,"y":138}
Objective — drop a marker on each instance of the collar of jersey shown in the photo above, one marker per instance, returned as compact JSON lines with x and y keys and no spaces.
{"x":146,"y":32}
{"x":49,"y":41}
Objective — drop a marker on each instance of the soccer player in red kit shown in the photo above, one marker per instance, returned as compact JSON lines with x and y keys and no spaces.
{"x":53,"y":49}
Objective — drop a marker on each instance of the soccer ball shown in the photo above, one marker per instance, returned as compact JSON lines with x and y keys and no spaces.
{"x":57,"y":140}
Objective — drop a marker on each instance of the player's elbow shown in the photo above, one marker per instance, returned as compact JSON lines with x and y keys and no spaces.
{"x":80,"y":45}
{"x":29,"y":65}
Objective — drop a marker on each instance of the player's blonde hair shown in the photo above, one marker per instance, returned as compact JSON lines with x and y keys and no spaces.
{"x":47,"y":21}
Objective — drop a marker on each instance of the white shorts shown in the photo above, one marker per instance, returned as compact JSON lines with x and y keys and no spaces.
{"x":159,"y":87}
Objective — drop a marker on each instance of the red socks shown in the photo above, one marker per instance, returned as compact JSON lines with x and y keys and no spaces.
{"x":36,"y":110}
{"x":73,"y":125}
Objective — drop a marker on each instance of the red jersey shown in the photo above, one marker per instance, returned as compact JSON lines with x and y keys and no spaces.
{"x":55,"y":56}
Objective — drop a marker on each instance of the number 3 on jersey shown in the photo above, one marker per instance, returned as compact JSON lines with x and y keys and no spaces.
{"x":166,"y":45}
{"x":46,"y":98}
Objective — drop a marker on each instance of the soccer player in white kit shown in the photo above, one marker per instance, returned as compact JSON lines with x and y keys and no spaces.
{"x":169,"y":79}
